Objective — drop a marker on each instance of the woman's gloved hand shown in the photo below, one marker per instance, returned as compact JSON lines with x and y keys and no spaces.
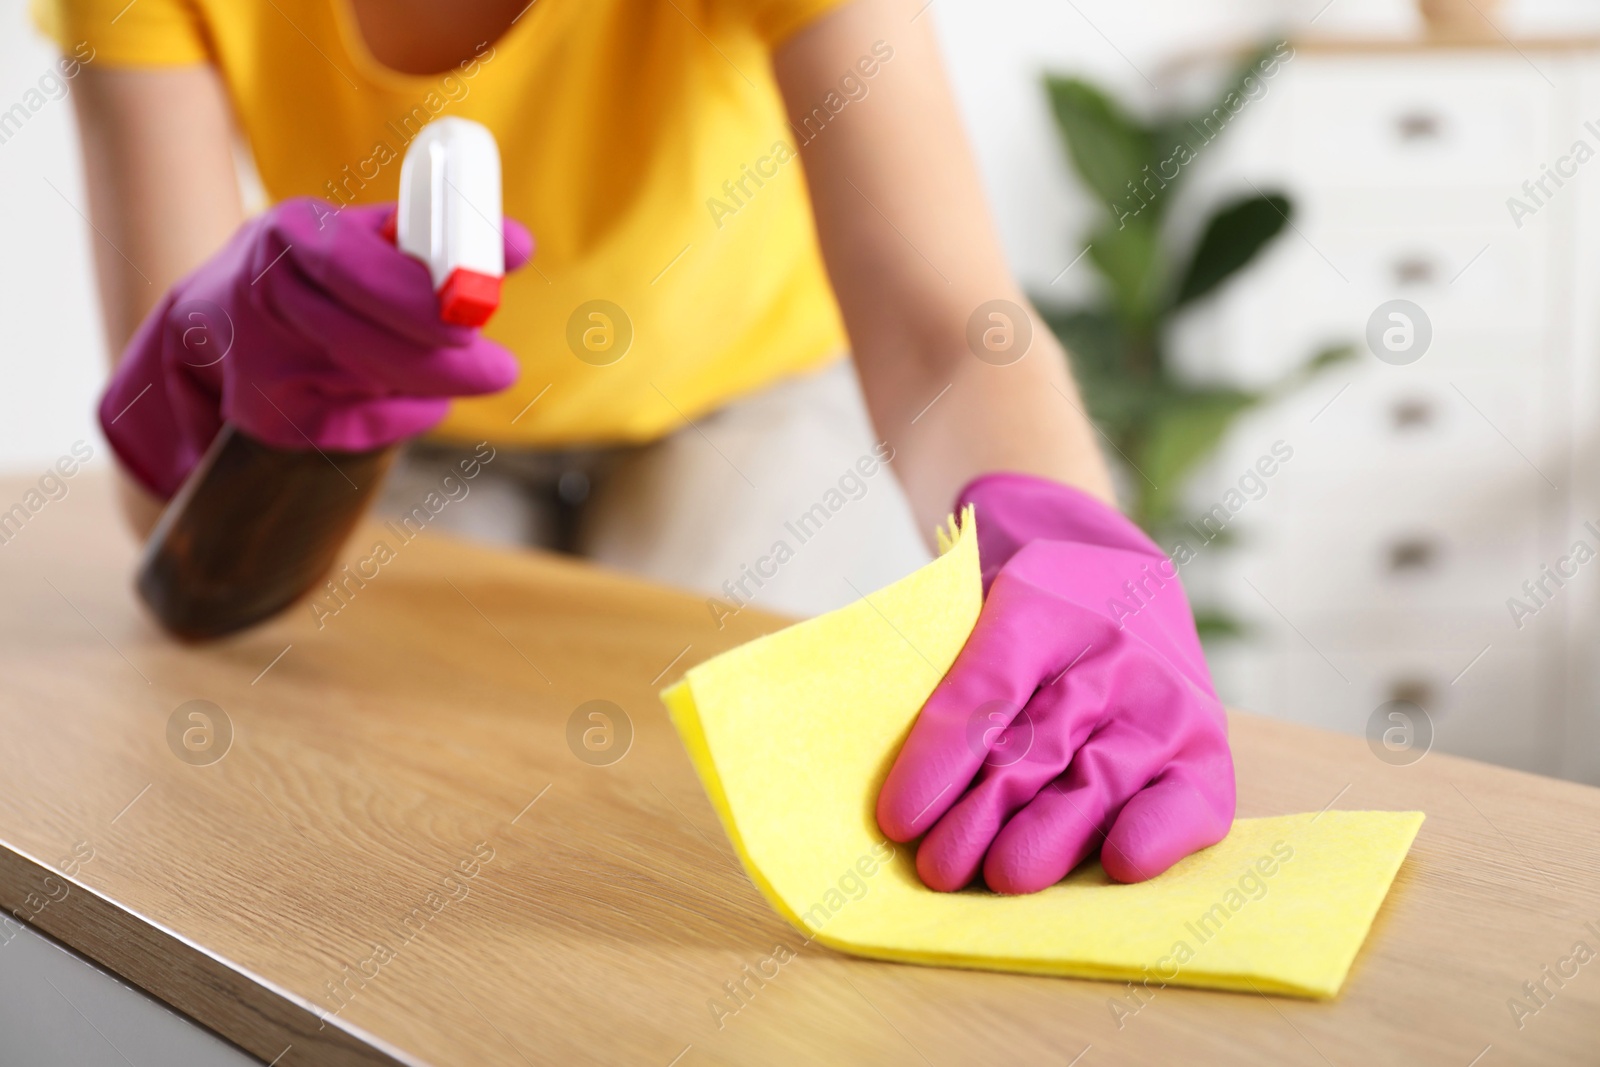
{"x":309,"y":328}
{"x":1078,"y":716}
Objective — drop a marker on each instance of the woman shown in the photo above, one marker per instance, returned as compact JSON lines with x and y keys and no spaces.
{"x":723,"y":191}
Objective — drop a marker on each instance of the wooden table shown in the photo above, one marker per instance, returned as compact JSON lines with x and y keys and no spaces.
{"x":423,"y":729}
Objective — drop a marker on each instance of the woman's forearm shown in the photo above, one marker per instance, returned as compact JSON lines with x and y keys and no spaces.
{"x":163,"y":195}
{"x":953,"y":417}
{"x":918,"y":271}
{"x":163,"y":192}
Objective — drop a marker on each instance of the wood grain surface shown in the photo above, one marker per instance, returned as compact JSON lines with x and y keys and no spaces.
{"x":422,"y":732}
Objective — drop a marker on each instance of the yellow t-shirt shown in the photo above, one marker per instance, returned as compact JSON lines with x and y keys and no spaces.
{"x":644,"y":144}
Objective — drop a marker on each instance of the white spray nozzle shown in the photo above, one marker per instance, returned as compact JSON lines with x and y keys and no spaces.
{"x":449,"y":216}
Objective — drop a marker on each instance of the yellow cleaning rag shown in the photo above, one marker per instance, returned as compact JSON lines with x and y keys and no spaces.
{"x":794,"y":733}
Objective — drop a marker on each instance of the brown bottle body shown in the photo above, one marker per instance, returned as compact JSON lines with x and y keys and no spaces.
{"x":251,"y":531}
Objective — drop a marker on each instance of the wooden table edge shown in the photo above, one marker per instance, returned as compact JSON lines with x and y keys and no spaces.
{"x":214,"y":993}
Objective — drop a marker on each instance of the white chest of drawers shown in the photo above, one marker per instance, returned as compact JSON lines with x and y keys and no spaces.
{"x":1421,"y":496}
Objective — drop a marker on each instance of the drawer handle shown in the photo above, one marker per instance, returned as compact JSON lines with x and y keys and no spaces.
{"x":1412,"y":414}
{"x":1413,"y":554}
{"x":1414,"y":270}
{"x":1418,"y":691}
{"x":1418,"y":126}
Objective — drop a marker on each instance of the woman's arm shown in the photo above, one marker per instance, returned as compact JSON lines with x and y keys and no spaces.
{"x":1125,"y":739}
{"x":163,"y":196}
{"x":912,"y":253}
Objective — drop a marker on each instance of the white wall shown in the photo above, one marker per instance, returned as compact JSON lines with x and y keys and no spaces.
{"x":49,"y":329}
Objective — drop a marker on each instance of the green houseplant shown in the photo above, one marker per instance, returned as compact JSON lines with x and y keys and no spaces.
{"x":1162,"y":425}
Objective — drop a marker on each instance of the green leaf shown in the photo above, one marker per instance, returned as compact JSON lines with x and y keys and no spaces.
{"x":1232,"y":238}
{"x":1122,"y":409}
{"x":1197,"y":533}
{"x":1108,"y":148}
{"x":1213,"y":624}
{"x":1171,"y":142}
{"x":1129,"y":257}
{"x":1182,"y":433}
{"x":1097,"y":347}
{"x":1330,"y":356}
{"x":1093,"y":337}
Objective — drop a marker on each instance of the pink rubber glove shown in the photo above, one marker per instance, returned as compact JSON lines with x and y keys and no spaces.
{"x":309,"y":328}
{"x":1120,"y":744}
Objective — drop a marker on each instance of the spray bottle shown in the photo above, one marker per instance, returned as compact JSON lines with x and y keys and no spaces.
{"x":253,"y":528}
